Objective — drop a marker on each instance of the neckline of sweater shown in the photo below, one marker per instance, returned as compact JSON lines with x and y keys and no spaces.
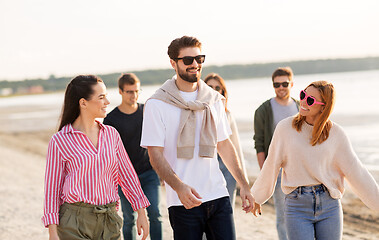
{"x":307,"y":126}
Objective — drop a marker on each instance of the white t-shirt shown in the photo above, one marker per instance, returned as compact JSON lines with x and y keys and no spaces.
{"x":160,"y":128}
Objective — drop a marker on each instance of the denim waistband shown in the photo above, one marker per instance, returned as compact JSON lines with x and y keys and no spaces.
{"x":312,"y":189}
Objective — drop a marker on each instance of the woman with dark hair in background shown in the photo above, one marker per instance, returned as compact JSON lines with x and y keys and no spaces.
{"x":216,"y":82}
{"x":316,"y":156}
{"x":86,"y":161}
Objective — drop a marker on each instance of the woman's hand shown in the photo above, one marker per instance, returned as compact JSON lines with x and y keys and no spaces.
{"x":256,"y":209}
{"x":142,"y":223}
{"x":53,"y":232}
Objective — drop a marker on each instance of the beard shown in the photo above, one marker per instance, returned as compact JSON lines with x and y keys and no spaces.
{"x":183,"y":74}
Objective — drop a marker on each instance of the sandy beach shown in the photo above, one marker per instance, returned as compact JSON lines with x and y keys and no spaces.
{"x":22,"y":166}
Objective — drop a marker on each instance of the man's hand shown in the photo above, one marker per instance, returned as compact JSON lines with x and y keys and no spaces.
{"x":142,"y":223}
{"x":188,"y":196}
{"x":247,"y":199}
{"x":256,"y":209}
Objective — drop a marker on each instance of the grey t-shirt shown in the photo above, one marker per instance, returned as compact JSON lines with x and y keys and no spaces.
{"x":281,"y":112}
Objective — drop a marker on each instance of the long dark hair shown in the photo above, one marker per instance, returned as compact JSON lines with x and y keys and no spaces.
{"x":79,"y":87}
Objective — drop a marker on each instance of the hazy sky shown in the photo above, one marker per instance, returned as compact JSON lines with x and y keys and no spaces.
{"x":64,"y":38}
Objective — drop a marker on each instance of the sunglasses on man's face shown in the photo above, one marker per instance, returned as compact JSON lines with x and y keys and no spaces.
{"x":284,"y":84}
{"x":187,"y":60}
{"x":309,"y":99}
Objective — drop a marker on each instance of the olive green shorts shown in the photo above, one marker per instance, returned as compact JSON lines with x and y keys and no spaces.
{"x":86,"y":221}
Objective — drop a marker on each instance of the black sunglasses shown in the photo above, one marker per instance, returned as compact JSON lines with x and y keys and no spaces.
{"x":189,"y":60}
{"x":217,"y":88}
{"x":284,"y":84}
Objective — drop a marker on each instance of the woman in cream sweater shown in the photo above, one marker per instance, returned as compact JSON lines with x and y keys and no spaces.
{"x":316,"y":157}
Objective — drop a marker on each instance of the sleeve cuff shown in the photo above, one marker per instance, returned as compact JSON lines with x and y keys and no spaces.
{"x":51,"y":218}
{"x":143,"y":202}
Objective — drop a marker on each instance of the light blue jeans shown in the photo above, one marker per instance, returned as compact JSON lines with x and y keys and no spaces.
{"x":279,"y":197}
{"x":311,"y":213}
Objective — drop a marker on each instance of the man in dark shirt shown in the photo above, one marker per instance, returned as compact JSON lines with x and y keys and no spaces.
{"x":127,"y":119}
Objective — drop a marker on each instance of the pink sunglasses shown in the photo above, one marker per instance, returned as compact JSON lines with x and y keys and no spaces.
{"x":309,"y":99}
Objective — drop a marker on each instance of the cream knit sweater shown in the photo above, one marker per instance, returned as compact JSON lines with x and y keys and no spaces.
{"x":328,"y":163}
{"x":206,"y":97}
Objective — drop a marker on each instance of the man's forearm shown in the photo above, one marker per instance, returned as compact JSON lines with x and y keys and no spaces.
{"x":163,"y":168}
{"x":230,"y":158}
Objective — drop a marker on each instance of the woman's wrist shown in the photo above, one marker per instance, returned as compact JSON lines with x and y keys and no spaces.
{"x":53,"y":229}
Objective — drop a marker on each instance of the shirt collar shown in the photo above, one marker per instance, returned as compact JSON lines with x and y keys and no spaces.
{"x":69,"y":129}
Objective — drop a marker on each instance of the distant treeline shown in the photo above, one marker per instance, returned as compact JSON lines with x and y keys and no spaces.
{"x":228,"y":72}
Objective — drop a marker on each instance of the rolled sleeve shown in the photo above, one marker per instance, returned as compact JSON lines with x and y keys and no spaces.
{"x":128,"y":179}
{"x":50,"y":218}
{"x":53,"y":184}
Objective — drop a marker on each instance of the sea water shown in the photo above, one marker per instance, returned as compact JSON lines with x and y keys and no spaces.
{"x":356,"y":109}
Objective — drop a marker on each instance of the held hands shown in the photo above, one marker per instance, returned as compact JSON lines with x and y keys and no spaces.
{"x":248,"y":202}
{"x":142,"y":223}
{"x":247,"y":199}
{"x":188,"y":196}
{"x":256,"y":209}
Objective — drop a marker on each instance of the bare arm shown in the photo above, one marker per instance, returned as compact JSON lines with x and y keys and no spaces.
{"x":187,"y":195}
{"x":261,"y":156}
{"x":229,"y":157}
{"x":53,"y":232}
{"x":142,"y":223}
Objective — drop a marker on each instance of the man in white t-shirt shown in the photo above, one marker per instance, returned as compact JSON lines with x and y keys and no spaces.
{"x":184,"y":127}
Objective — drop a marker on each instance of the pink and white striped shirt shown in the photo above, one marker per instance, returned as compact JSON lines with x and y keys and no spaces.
{"x":78,"y":172}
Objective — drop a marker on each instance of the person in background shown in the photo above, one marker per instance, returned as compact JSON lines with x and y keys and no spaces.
{"x":316,"y":156}
{"x":127,"y":119}
{"x":184,"y":127}
{"x":266,"y":118}
{"x":86,"y":161}
{"x":216,"y":82}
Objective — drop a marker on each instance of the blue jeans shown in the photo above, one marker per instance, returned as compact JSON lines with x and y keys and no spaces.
{"x":311,"y":213}
{"x":151,"y":187}
{"x":230,"y":181}
{"x":214,"y":218}
{"x":279,"y":197}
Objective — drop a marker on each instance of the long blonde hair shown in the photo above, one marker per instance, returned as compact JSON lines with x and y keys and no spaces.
{"x":323,"y":124}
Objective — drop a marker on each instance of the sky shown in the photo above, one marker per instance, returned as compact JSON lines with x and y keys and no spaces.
{"x":65,"y":38}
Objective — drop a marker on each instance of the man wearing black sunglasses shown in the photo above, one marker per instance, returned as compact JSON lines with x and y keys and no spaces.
{"x":184,"y":127}
{"x":266,"y":118}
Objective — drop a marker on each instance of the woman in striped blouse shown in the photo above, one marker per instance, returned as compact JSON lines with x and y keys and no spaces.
{"x":86,"y":161}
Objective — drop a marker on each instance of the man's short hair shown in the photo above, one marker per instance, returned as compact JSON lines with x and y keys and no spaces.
{"x":128,"y":79}
{"x":180,"y":43}
{"x":283,"y":71}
